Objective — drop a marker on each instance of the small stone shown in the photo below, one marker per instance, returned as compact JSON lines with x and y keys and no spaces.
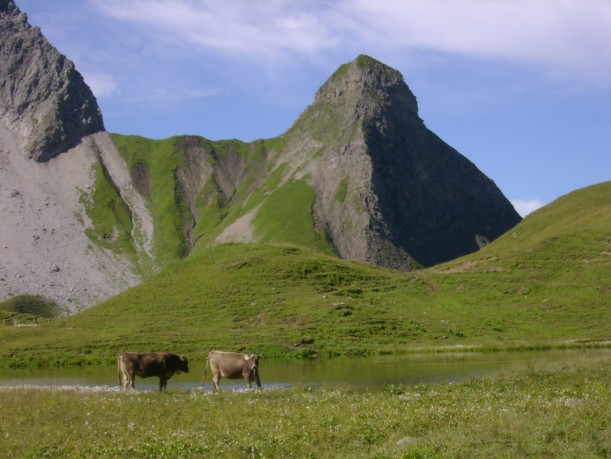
{"x":406,"y":441}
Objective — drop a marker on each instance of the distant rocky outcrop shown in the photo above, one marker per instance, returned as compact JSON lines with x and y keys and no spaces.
{"x":42,"y":96}
{"x":388,"y":190}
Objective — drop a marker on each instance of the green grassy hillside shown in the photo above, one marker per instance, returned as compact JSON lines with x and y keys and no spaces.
{"x":557,"y":257}
{"x":545,"y":283}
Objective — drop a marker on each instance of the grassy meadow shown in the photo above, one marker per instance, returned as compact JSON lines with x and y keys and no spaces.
{"x":555,"y":410}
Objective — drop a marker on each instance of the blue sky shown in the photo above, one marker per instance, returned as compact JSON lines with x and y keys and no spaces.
{"x":520,"y":87}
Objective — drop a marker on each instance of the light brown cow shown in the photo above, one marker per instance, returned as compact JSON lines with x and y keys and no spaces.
{"x":233,"y":365}
{"x":161,"y":364}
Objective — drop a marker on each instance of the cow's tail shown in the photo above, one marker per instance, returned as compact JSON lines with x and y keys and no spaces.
{"x":205,"y":370}
{"x":120,"y":371}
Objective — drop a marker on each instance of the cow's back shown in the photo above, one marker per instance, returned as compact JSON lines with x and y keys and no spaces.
{"x":161,"y":364}
{"x":155,"y":364}
{"x":228,"y":364}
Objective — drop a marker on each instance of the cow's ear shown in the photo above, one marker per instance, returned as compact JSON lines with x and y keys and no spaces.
{"x":183,"y":358}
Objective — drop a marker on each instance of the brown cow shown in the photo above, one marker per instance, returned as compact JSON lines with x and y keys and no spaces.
{"x":161,"y":364}
{"x":233,"y":365}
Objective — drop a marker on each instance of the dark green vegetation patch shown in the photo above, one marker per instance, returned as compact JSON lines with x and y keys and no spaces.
{"x":28,"y":309}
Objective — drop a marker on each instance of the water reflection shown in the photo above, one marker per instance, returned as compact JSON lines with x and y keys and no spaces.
{"x":358,"y":373}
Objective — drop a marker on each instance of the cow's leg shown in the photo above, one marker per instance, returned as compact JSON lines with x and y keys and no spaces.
{"x":125,"y":380}
{"x":123,"y":373}
{"x":132,"y":381}
{"x":216,"y":377}
{"x":163,"y":383}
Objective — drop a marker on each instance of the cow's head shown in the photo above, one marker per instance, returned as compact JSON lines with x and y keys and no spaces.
{"x":252,"y":362}
{"x":183,"y":364}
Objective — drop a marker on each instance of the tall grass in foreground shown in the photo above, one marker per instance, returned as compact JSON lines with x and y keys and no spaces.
{"x":562,"y":410}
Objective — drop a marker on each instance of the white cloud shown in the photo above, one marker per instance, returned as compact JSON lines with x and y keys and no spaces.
{"x":237,"y":26}
{"x":173,"y":94}
{"x":525,"y":207}
{"x":568,"y":38}
{"x":101,"y":84}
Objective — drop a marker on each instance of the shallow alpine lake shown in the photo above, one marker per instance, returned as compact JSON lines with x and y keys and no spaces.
{"x":358,"y":373}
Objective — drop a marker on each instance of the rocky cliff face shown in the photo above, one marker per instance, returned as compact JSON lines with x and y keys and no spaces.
{"x":42,"y":96}
{"x":52,"y":150}
{"x":389,"y":191}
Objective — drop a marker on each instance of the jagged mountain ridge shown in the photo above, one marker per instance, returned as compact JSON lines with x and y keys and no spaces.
{"x":42,"y":96}
{"x":358,"y":175}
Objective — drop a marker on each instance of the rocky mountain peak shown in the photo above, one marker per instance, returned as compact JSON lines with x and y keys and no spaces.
{"x":389,"y":191}
{"x":43,"y":98}
{"x":368,"y":86}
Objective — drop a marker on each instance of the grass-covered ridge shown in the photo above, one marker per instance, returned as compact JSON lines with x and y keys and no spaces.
{"x":573,"y":232}
{"x":197,"y":188}
{"x":546,"y":283}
